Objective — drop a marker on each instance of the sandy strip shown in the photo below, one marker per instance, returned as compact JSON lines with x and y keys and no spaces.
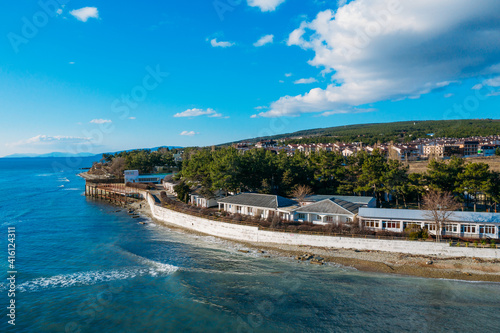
{"x":470,"y":269}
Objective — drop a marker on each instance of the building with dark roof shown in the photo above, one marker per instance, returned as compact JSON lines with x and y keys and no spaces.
{"x":329,"y":210}
{"x":259,"y":205}
{"x":364,"y":201}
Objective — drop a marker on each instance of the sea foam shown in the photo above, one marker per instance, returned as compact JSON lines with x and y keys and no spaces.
{"x":94,"y":277}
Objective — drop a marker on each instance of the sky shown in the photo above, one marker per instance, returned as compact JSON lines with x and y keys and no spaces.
{"x":96,"y":76}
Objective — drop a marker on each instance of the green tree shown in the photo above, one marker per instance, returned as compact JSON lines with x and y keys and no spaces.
{"x":474,"y":179}
{"x":396,"y":180}
{"x":182,"y":190}
{"x":443,"y":176}
{"x":493,"y":190}
{"x":497,"y":151}
{"x":372,"y":179}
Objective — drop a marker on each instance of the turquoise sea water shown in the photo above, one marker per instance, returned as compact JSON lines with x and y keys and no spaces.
{"x":83,"y":267}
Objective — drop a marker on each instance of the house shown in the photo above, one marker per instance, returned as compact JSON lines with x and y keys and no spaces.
{"x":433,"y":150}
{"x":470,"y":148}
{"x":178,"y":157}
{"x":258,"y":205}
{"x":363,"y":201}
{"x":327,"y":211}
{"x":200,"y":200}
{"x":266,"y":144}
{"x":169,"y":184}
{"x":487,"y":150}
{"x":461,"y":224}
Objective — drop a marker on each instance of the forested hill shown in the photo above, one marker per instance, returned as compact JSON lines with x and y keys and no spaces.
{"x":404,"y":131}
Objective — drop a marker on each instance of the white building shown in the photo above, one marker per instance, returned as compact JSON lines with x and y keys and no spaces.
{"x":199,"y":200}
{"x":169,"y":184}
{"x":133,"y":176}
{"x":461,"y":224}
{"x":327,"y":211}
{"x":259,"y":205}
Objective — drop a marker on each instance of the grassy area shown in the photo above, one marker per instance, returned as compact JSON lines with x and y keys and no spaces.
{"x":493,"y":162}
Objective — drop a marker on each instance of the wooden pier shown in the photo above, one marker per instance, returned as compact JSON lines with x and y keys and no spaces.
{"x":115,"y":193}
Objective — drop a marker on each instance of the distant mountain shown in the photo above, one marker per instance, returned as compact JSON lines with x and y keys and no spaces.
{"x":58,"y":154}
{"x":54,"y":154}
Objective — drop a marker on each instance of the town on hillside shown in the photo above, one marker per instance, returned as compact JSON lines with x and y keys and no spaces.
{"x":415,"y":150}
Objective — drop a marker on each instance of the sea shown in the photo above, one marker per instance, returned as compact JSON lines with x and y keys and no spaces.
{"x":86,"y":266}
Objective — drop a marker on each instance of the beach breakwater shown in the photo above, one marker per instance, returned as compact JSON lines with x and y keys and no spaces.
{"x":253,"y":234}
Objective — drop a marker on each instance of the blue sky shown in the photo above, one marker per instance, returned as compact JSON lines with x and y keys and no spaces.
{"x":95,"y":76}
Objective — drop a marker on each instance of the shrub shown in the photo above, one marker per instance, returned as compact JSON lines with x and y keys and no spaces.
{"x":275,"y":222}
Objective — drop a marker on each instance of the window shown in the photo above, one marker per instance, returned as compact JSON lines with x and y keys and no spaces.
{"x":238,"y":209}
{"x":371,"y":223}
{"x":486,"y":229}
{"x":391,"y":225}
{"x":302,"y":216}
{"x":468,"y":229}
{"x":329,"y":219}
{"x":250,"y":211}
{"x":450,"y":227}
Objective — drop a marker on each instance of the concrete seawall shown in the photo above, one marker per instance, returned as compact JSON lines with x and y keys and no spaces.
{"x":253,"y":234}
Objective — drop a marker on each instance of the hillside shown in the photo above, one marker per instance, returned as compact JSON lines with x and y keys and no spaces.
{"x":397,"y":131}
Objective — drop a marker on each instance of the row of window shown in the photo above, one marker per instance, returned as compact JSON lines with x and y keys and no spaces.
{"x":471,"y":229}
{"x":370,"y":223}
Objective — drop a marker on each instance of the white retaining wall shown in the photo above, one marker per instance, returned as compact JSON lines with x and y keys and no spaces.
{"x":253,"y":234}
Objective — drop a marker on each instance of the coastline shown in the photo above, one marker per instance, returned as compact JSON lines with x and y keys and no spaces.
{"x":460,"y":268}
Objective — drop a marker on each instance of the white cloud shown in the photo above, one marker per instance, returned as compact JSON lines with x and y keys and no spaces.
{"x":50,"y":140}
{"x":71,"y":62}
{"x":215,"y":43}
{"x":341,"y":3}
{"x":265,"y":5}
{"x":199,"y":112}
{"x":352,"y":110}
{"x":448,"y":95}
{"x":288,"y":74}
{"x":306,"y":81}
{"x":59,"y":11}
{"x":267,"y":39}
{"x":477,"y":86}
{"x":100,"y":121}
{"x":377,"y":50}
{"x":83,"y":14}
{"x":131,"y":118}
{"x":188,"y":133}
{"x":494,"y":82}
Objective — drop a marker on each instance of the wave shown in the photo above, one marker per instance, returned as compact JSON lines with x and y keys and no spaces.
{"x":157,"y":266}
{"x":93,"y":277}
{"x":72,"y":189}
{"x":63,"y":179}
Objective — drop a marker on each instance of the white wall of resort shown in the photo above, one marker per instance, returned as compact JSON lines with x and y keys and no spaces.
{"x":253,"y":234}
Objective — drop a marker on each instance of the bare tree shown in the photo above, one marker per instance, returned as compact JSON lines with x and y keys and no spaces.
{"x":117,"y":166}
{"x":300,"y":192}
{"x":439,"y":206}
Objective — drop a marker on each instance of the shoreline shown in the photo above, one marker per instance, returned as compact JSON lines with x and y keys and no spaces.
{"x":459,"y":268}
